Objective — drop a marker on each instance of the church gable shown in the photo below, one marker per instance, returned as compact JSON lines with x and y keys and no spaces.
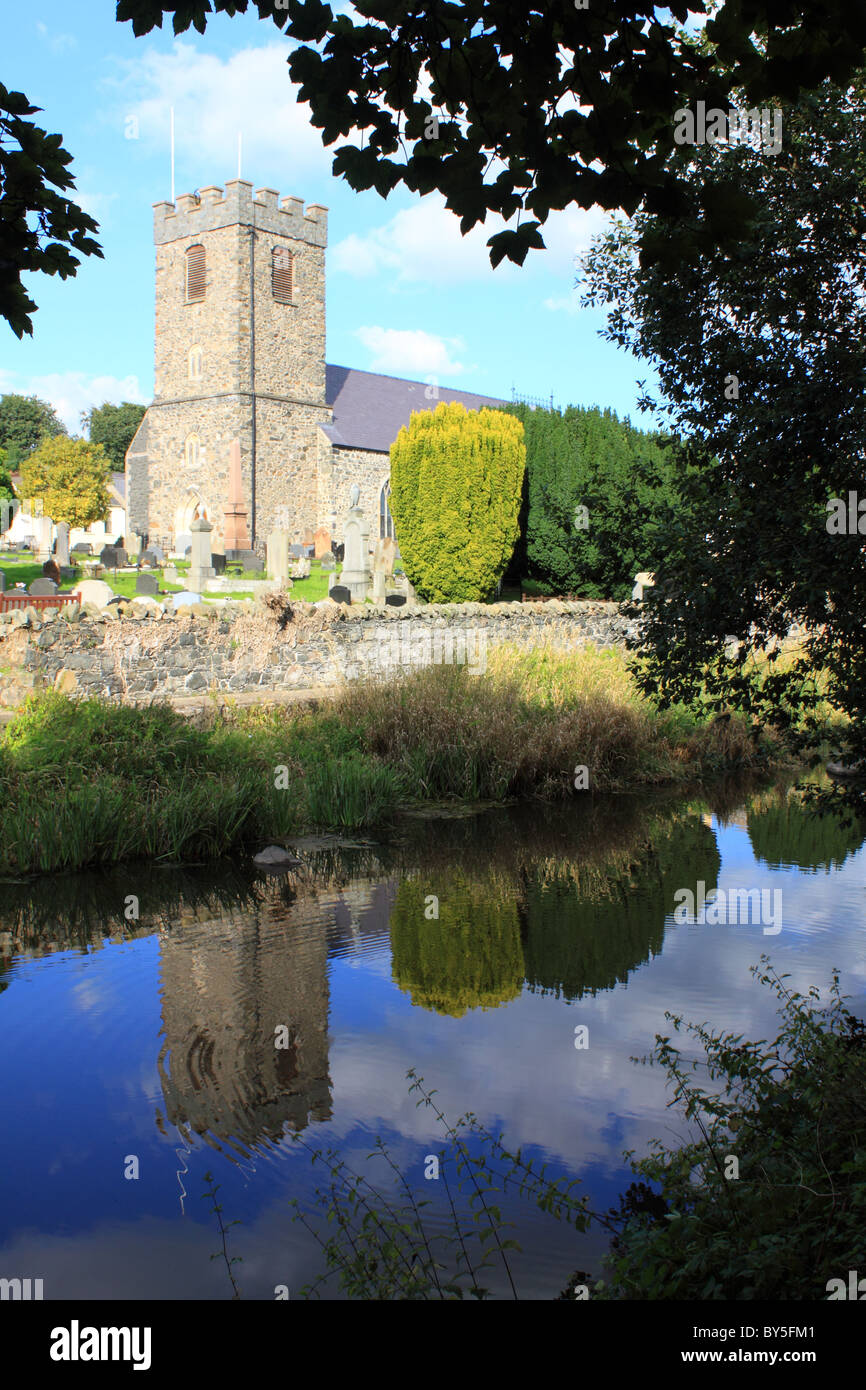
{"x":369,"y":410}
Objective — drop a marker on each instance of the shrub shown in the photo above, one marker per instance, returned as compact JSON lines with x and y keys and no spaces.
{"x":456,"y":479}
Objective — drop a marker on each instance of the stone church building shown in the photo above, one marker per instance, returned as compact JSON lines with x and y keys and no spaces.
{"x":240,"y":354}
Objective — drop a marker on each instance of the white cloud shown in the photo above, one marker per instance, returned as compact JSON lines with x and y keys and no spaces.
{"x":72,"y":392}
{"x":411,"y":350}
{"x":58,"y":43}
{"x":213,"y":100}
{"x":423,"y":243}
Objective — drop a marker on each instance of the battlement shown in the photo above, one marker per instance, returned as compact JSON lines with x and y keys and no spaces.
{"x":236,"y":205}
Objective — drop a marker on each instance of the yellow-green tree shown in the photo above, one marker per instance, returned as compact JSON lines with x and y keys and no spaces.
{"x":456,"y":482}
{"x":71,"y":477}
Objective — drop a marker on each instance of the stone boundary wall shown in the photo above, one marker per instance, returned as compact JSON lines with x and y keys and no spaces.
{"x":139,"y":652}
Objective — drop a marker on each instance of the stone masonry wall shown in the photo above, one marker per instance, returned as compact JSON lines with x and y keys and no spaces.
{"x":134,"y":653}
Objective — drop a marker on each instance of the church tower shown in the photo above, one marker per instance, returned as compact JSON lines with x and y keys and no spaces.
{"x":240,"y":354}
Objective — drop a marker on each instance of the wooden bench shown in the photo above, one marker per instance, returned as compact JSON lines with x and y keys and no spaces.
{"x":15,"y":600}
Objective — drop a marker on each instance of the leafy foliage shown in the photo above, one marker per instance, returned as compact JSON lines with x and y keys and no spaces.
{"x":566,"y":105}
{"x":761,"y":352}
{"x":71,"y":477}
{"x":113,"y":426}
{"x":597,"y":490}
{"x":39,"y":227}
{"x":456,"y":479}
{"x":25,"y":422}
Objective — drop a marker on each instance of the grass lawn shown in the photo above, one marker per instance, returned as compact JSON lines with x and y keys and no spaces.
{"x":24,"y":571}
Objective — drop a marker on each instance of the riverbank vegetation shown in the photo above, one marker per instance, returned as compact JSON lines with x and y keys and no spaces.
{"x":92,"y":782}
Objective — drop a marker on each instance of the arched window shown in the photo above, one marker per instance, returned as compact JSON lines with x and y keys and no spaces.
{"x":386,"y":521}
{"x":195,"y":363}
{"x":191,"y":451}
{"x":282,"y":274}
{"x":195,"y":274}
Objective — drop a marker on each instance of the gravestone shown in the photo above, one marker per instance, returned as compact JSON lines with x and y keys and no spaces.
{"x":96,"y":591}
{"x":158,"y":551}
{"x":122,"y":558}
{"x":2,"y":582}
{"x":321,"y":542}
{"x":644,"y":580}
{"x":133,"y":546}
{"x":149,"y":560}
{"x":219,"y":563}
{"x":235,"y":530}
{"x":339,"y":552}
{"x":183,"y":543}
{"x":61,"y":549}
{"x":300,"y":569}
{"x":255,"y":565}
{"x":356,"y":576}
{"x":67,"y":573}
{"x":185,"y":599}
{"x":108,"y":557}
{"x":146,"y":584}
{"x":384,"y":556}
{"x":200,"y":567}
{"x":378,"y":594}
{"x":41,"y":588}
{"x":278,"y":556}
{"x":340,"y":594}
{"x":51,"y":570}
{"x":328,"y":561}
{"x":82,"y":548}
{"x":296,"y":551}
{"x":395,"y":600}
{"x":308,"y":539}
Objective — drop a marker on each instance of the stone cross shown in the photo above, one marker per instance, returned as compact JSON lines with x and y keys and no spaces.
{"x":356,"y":576}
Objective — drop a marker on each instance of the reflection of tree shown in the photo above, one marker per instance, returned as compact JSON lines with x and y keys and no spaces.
{"x":467,"y":959}
{"x":785,"y":832}
{"x":576,"y":944}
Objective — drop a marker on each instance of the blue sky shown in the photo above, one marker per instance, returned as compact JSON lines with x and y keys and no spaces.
{"x":407,"y":295}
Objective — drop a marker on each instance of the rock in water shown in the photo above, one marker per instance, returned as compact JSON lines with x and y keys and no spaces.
{"x":274,"y":857}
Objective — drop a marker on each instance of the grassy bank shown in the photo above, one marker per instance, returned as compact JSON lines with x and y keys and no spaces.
{"x":92,"y":782}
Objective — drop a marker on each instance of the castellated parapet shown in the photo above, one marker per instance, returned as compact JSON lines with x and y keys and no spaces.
{"x":213,"y":207}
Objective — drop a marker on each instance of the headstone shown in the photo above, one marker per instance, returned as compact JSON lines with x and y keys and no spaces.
{"x":254,"y":564}
{"x":219,"y":563}
{"x":235,"y":529}
{"x":5,"y":514}
{"x":200,"y":567}
{"x":321,"y":542}
{"x":82,"y":548}
{"x":356,"y":576}
{"x":340,"y":593}
{"x":278,"y":556}
{"x":328,"y":561}
{"x":44,"y":527}
{"x":378,"y":587}
{"x":148,"y":560}
{"x":67,"y":573}
{"x":133,"y":546}
{"x":644,"y":580}
{"x":339,"y":551}
{"x":296,"y":551}
{"x":158,"y":551}
{"x":40,"y":588}
{"x":300,"y":569}
{"x":51,"y":570}
{"x":185,"y":599}
{"x":146,"y":584}
{"x":182,"y":543}
{"x":2,"y":582}
{"x":395,"y":600}
{"x":383,"y":556}
{"x":308,"y":538}
{"x":96,"y":591}
{"x":108,"y":557}
{"x":122,"y":557}
{"x":61,"y":551}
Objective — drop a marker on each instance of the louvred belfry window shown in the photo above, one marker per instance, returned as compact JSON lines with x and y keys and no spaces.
{"x":195,"y":274}
{"x":281,"y":274}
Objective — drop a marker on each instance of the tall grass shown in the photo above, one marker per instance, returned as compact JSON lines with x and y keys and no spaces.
{"x":91,"y":782}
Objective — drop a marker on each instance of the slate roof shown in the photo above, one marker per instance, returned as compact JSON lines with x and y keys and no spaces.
{"x":370,"y":409}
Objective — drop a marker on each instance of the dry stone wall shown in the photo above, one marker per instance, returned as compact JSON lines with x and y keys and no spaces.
{"x":138,"y":653}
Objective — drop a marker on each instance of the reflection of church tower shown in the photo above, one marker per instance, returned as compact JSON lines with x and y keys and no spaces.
{"x":227,"y":984}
